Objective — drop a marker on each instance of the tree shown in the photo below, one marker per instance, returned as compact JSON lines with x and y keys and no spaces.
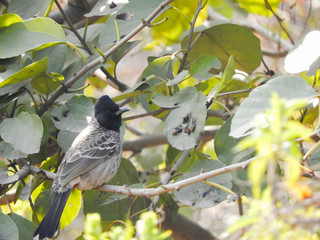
{"x":224,"y":118}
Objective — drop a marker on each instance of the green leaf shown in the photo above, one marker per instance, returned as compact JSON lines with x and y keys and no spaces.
{"x":25,"y":8}
{"x":8,"y":98}
{"x":74,"y":115}
{"x":34,"y":69}
{"x":46,"y":84}
{"x":7,"y":151}
{"x":123,"y":50}
{"x":201,"y":195}
{"x":225,"y":40}
{"x":103,"y":8}
{"x":23,"y":132}
{"x":28,"y":35}
{"x":25,"y":227}
{"x":201,"y":66}
{"x":179,"y":98}
{"x":57,"y":57}
{"x":65,"y":139}
{"x":227,"y":75}
{"x":8,"y":230}
{"x":9,"y":18}
{"x":134,"y":8}
{"x":185,"y":124}
{"x":288,"y":87}
{"x":178,"y":78}
{"x":160,"y":68}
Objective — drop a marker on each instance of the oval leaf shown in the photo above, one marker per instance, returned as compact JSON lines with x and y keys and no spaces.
{"x":201,"y":195}
{"x":8,"y":230}
{"x":34,"y":69}
{"x":179,"y":98}
{"x":287,"y":87}
{"x":200,"y":67}
{"x":25,"y":227}
{"x":220,"y":41}
{"x":23,"y":132}
{"x":28,"y":35}
{"x":74,"y":115}
{"x":185,"y":124}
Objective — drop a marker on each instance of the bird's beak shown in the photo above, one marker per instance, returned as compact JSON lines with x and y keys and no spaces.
{"x":121,"y":110}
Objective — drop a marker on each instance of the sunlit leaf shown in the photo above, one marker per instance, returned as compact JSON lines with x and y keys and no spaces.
{"x":29,"y":34}
{"x":225,"y":40}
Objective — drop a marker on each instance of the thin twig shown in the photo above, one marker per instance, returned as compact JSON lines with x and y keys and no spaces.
{"x":99,"y":60}
{"x":147,"y":114}
{"x":188,"y":46}
{"x":177,"y":164}
{"x":268,"y":6}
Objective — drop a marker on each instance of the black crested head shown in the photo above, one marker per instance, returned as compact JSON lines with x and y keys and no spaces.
{"x":108,"y":113}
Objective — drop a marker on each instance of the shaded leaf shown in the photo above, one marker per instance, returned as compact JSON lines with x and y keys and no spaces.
{"x":220,"y":41}
{"x":46,"y":84}
{"x":178,"y":78}
{"x":173,"y":101}
{"x":65,"y":139}
{"x":287,"y":87}
{"x":8,"y":230}
{"x":106,"y":7}
{"x":123,"y":50}
{"x":201,"y":195}
{"x":23,"y":132}
{"x":109,"y":34}
{"x":200,"y":67}
{"x":26,"y":228}
{"x":57,"y":56}
{"x":185,"y":124}
{"x":25,"y":8}
{"x":74,"y":115}
{"x":7,"y":151}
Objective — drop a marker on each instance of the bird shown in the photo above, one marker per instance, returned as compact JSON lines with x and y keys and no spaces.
{"x":92,"y":160}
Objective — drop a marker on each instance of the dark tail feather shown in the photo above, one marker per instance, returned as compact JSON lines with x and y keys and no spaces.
{"x":50,"y":224}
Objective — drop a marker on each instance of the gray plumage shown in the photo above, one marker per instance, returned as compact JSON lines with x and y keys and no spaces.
{"x":92,"y":160}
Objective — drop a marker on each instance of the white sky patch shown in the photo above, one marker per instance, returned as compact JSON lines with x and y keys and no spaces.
{"x":301,"y":58}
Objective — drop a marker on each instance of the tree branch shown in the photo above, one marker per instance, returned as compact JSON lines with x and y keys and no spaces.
{"x":153,"y":140}
{"x":150,"y":192}
{"x":100,"y":60}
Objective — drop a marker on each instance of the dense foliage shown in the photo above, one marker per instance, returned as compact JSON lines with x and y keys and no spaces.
{"x":226,"y":109}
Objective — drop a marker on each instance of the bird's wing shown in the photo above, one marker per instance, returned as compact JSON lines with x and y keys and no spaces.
{"x":93,"y":149}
